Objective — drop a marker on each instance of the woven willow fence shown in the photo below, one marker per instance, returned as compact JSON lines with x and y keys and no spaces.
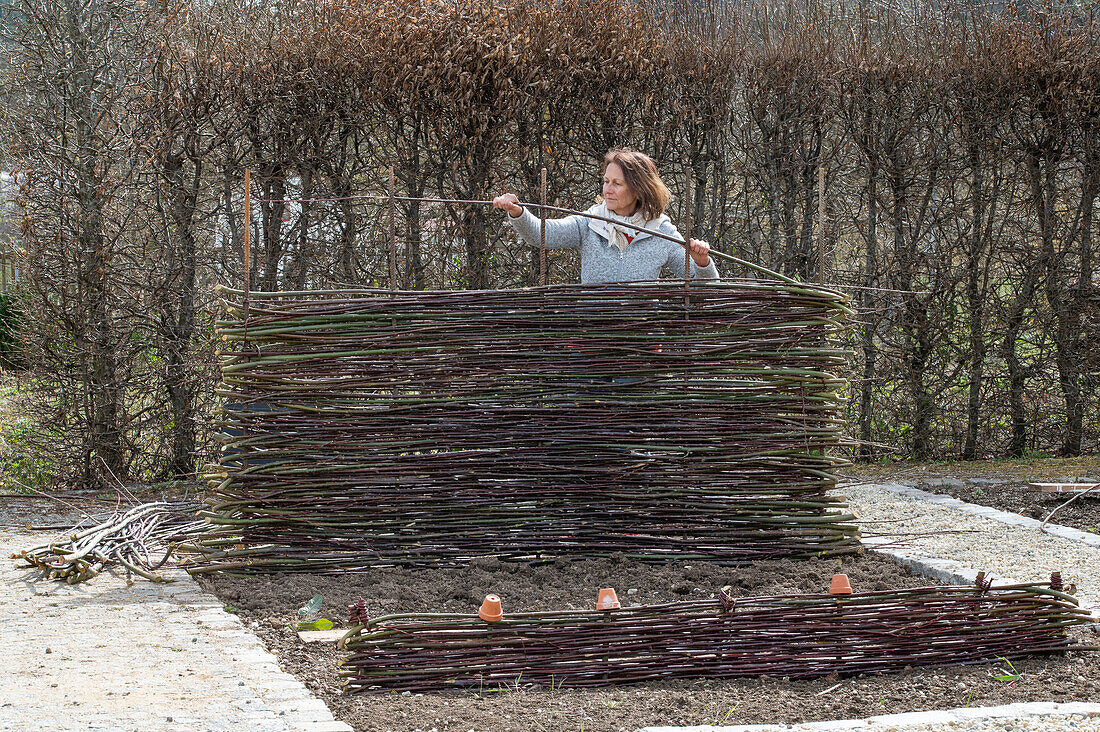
{"x":799,"y":636}
{"x":375,"y":427}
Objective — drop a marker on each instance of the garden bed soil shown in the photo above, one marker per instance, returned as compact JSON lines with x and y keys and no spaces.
{"x":1002,"y":484}
{"x":269,"y":604}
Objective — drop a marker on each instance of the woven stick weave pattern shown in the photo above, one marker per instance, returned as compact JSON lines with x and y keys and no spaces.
{"x":797,"y":636}
{"x":375,"y":427}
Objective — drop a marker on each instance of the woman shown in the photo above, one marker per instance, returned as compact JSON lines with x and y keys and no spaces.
{"x":632,"y":192}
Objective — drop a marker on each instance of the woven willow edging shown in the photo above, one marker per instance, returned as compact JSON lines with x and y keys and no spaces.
{"x":375,"y":427}
{"x":797,"y":636}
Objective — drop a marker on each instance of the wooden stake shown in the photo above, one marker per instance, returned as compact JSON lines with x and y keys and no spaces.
{"x":247,"y":252}
{"x":687,"y":238}
{"x":543,"y":274}
{"x":393,"y":230}
{"x":821,"y":224}
{"x":247,"y":232}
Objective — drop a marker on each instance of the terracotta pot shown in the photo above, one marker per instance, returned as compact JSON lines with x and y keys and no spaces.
{"x":607,"y":599}
{"x":840,"y":585}
{"x":490,"y":609}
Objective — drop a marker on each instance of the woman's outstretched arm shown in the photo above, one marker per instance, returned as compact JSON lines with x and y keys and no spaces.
{"x":560,"y":233}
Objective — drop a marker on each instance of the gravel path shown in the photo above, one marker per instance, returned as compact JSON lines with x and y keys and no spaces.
{"x":977,"y":538}
{"x":146,"y":656}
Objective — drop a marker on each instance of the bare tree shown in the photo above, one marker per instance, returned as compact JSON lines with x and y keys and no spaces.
{"x":76,"y":61}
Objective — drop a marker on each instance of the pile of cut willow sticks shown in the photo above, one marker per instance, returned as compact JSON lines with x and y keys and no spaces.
{"x":141,"y":540}
{"x":373,"y":427}
{"x":797,"y":636}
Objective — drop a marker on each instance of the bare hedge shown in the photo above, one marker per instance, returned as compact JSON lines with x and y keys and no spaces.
{"x":959,"y":150}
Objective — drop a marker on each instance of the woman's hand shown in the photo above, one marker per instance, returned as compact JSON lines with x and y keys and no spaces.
{"x":697,"y":248}
{"x":510,"y":203}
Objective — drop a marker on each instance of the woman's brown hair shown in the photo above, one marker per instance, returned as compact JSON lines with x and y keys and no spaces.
{"x":641,"y":177}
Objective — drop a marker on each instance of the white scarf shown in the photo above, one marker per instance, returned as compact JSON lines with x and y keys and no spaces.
{"x":616,"y":234}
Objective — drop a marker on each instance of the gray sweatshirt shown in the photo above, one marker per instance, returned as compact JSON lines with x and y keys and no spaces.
{"x":603,"y":262}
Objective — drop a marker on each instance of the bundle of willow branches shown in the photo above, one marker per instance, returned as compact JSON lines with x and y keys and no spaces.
{"x":371,"y":427}
{"x":798,"y":636}
{"x":141,"y":540}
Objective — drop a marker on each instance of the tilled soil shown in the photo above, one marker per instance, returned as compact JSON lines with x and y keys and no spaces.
{"x":1002,"y":484}
{"x":269,"y":604}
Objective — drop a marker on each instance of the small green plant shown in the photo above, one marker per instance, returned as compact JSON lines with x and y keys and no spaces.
{"x":1009,"y":672}
{"x":514,"y":686}
{"x":1030,"y":455}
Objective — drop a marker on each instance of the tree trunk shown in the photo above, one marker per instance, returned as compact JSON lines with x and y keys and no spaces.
{"x":866,"y":307}
{"x":103,"y":459}
{"x":1017,"y":377}
{"x":349,"y":229}
{"x":298,"y":269}
{"x":975,"y":300}
{"x":274,"y":188}
{"x":1042,"y":167}
{"x":179,"y":327}
{"x":473,"y":226}
{"x":416,"y":183}
{"x":1017,"y":372}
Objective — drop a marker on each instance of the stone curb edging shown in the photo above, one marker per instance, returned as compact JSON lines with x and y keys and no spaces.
{"x":910,"y":720}
{"x":946,"y":570}
{"x":1005,"y":517}
{"x":295,"y":705}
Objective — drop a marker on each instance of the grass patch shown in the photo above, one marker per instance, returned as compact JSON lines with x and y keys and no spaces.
{"x":23,"y":464}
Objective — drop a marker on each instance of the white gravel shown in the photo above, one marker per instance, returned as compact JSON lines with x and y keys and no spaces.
{"x":927,"y":527}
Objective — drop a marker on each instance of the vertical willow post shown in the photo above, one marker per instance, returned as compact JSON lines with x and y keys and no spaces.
{"x":393,"y":229}
{"x":247,"y":265}
{"x":543,"y":274}
{"x":247,"y":257}
{"x":687,"y":238}
{"x":821,"y":224}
